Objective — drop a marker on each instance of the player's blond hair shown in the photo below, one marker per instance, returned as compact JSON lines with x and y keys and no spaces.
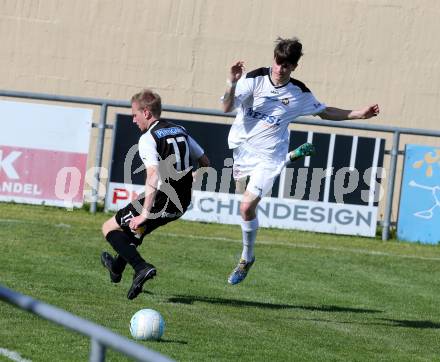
{"x":148,"y":99}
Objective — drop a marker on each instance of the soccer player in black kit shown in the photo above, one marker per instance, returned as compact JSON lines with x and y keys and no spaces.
{"x":166,"y":150}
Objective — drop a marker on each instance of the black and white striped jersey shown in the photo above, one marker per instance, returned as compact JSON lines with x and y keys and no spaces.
{"x":171,"y":148}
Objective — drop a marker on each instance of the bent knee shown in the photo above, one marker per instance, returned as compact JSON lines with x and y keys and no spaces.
{"x":105,"y":229}
{"x":247,"y":211}
{"x":248,"y":206}
{"x":244,"y":207}
{"x":110,"y":225}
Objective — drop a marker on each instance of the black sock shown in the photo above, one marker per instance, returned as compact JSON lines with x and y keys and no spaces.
{"x":127,"y":250}
{"x":119,"y":264}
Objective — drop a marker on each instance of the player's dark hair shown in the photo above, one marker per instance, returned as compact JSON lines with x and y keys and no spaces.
{"x":148,"y":99}
{"x":287,"y":51}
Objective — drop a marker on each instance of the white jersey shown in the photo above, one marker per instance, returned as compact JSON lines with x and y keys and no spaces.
{"x":265,"y":111}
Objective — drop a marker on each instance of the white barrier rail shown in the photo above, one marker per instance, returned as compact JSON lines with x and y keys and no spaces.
{"x":100,"y":336}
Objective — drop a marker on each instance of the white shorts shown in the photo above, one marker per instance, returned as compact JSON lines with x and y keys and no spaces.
{"x":262,"y":171}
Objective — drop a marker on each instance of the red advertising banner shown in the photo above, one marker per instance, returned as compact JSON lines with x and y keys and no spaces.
{"x":45,"y":164}
{"x":41,"y":174}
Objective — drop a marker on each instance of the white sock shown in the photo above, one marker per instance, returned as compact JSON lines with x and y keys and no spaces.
{"x":249,"y":231}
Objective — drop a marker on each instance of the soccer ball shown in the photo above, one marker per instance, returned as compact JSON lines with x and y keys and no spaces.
{"x":147,"y":324}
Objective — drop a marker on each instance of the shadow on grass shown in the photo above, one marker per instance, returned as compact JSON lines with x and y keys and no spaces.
{"x":386,"y":322}
{"x":190,"y":299}
{"x":411,"y":324}
{"x":172,"y":341}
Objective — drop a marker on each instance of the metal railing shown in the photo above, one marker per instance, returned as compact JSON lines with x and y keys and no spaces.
{"x":100,"y":336}
{"x":105,"y":103}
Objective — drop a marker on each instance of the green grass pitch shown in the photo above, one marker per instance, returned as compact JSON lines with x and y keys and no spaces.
{"x":309,"y":297}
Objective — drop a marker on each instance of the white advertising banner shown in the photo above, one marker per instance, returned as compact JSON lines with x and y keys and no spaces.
{"x":327,"y":217}
{"x":118,"y":195}
{"x":43,"y":153}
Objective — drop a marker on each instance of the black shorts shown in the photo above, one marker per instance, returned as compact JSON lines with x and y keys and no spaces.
{"x":162,"y":212}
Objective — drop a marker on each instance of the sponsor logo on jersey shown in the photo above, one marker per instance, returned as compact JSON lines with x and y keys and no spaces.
{"x":172,"y":131}
{"x":272,"y":120}
{"x":285,"y":101}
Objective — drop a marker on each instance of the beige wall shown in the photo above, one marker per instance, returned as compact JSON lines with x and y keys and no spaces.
{"x":356,"y":51}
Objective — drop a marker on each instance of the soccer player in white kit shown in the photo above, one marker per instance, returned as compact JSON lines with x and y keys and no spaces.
{"x":267,"y":100}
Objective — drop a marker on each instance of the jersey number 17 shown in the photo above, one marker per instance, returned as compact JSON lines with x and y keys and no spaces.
{"x":181,"y":163}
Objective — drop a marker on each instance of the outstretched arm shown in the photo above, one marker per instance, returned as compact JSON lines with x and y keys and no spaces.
{"x":337,"y":114}
{"x":237,"y":70}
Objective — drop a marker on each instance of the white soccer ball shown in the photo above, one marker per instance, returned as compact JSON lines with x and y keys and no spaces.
{"x":147,"y":324}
